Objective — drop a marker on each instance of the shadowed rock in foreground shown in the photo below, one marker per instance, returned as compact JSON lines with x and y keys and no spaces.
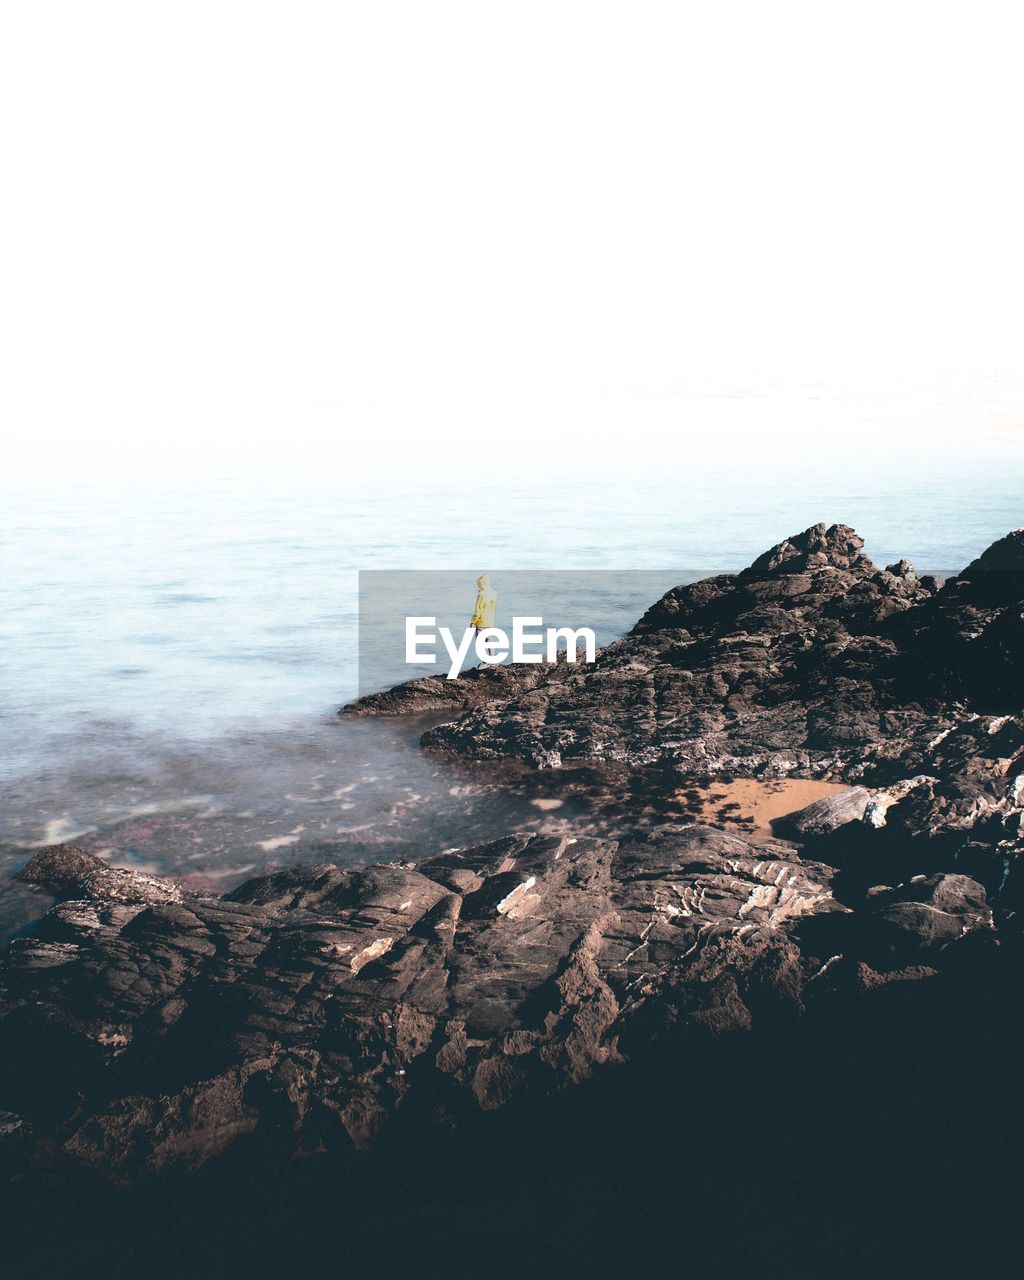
{"x":335,"y":993}
{"x":648,"y":1016}
{"x":314,"y":1001}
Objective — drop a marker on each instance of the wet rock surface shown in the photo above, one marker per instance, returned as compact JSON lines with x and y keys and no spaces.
{"x":432,"y":694}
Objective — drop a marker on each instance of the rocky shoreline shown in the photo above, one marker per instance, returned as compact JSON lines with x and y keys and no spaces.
{"x":323,"y":1024}
{"x":812,"y":663}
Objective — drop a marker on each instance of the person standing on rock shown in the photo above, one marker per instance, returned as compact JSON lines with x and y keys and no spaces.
{"x":486,"y":604}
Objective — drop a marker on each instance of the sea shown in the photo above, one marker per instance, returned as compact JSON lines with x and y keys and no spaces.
{"x":173,"y":654}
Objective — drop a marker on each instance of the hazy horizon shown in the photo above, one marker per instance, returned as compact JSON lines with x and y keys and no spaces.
{"x":256,"y":245}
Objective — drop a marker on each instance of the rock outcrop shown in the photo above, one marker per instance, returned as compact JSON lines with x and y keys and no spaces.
{"x":143,"y":1027}
{"x":811,"y":663}
{"x":319,"y":998}
{"x":151,"y":1032}
{"x":431,"y":695}
{"x":824,"y":816}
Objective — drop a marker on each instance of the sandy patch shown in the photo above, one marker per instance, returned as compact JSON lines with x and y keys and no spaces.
{"x":752,"y":805}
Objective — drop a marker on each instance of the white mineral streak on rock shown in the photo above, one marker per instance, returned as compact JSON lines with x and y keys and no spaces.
{"x":336,"y":948}
{"x":519,"y":901}
{"x":826,"y":966}
{"x":373,"y":952}
{"x":883,"y":801}
{"x":644,"y":935}
{"x":786,"y":893}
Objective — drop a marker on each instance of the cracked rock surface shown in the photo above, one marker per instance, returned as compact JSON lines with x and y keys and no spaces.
{"x":144,"y":1027}
{"x":322,"y":997}
{"x":621,"y":1024}
{"x":811,"y":663}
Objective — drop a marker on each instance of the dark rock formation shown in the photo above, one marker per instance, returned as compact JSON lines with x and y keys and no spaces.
{"x":317,"y":999}
{"x":1004,"y":556}
{"x":811,"y":663}
{"x":785,"y":668}
{"x":824,"y":816}
{"x":708,"y":999}
{"x":812,"y":660}
{"x":933,"y":911}
{"x":433,"y":694}
{"x":309,"y":1004}
{"x":765,"y":1035}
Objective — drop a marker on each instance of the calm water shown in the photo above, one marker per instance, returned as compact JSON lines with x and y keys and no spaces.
{"x":171,"y":659}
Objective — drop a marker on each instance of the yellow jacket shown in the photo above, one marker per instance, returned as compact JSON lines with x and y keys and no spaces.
{"x":483,"y":610}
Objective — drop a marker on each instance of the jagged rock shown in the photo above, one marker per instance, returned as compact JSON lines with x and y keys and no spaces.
{"x":810,"y":663}
{"x":146,"y":1028}
{"x":831,"y":812}
{"x":474,"y":687}
{"x":335,"y":992}
{"x":902,"y":569}
{"x":838,"y":547}
{"x":314,"y":1001}
{"x":64,"y":868}
{"x":784,"y":668}
{"x":935,"y":911}
{"x":1004,"y":556}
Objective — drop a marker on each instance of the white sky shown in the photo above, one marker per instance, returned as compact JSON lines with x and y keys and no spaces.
{"x":261,"y":235}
